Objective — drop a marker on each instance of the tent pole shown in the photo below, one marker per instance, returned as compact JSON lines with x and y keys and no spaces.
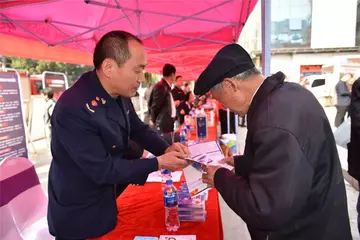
{"x":228,"y":120}
{"x":266,"y":36}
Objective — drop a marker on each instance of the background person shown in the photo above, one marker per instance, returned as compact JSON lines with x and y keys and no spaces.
{"x":48,"y":95}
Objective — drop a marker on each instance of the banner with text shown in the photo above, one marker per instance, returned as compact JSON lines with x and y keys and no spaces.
{"x":12,"y":129}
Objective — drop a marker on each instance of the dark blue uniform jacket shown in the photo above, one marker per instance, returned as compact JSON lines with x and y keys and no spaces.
{"x":90,"y":140}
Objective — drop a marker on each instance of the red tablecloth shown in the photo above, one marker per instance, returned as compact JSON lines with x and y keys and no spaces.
{"x":142,"y":213}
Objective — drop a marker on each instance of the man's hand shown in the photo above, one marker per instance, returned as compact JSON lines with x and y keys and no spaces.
{"x":178,"y":147}
{"x":208,"y":175}
{"x":177,"y":103}
{"x":172,"y":161}
{"x":182,"y":112}
{"x":228,"y":160}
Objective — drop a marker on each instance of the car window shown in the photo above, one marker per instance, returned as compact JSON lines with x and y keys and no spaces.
{"x":318,"y":82}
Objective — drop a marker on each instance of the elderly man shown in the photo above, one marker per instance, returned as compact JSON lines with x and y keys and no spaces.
{"x":289,"y":183}
{"x":93,"y":125}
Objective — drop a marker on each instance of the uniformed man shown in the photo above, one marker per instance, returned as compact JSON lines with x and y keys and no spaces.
{"x":289,"y":182}
{"x":92,"y":124}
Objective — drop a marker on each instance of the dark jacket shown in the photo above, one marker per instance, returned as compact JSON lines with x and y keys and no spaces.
{"x":342,"y":93}
{"x":179,"y":95}
{"x":289,"y":182}
{"x":90,"y":148}
{"x":159,"y":106}
{"x":354,"y":145}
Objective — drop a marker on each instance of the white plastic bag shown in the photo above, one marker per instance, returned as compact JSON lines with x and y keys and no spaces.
{"x":342,"y":133}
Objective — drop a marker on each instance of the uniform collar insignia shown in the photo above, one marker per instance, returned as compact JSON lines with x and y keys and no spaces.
{"x":88,"y":107}
{"x":94,"y":103}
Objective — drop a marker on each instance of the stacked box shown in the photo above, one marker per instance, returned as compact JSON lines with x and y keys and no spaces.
{"x":191,"y":209}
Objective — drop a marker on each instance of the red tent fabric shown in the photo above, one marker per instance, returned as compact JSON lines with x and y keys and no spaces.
{"x":186,"y":33}
{"x":6,"y":4}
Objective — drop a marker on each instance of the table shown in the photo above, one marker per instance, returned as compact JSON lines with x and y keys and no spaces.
{"x":142,"y":213}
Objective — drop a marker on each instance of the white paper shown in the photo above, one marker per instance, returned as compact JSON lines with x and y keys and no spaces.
{"x":194,"y":181}
{"x":178,"y":237}
{"x":207,"y":153}
{"x":156,"y":176}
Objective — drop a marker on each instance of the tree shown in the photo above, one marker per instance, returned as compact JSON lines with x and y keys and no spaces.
{"x":30,"y":66}
{"x":150,"y":79}
{"x":22,"y":64}
{"x":72,"y":71}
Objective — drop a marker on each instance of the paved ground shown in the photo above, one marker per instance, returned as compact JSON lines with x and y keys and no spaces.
{"x":234,"y":227}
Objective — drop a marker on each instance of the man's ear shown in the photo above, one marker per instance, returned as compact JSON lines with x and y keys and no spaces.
{"x":230,"y":83}
{"x":107,"y":67}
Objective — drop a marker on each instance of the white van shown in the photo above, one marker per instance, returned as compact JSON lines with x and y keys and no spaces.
{"x":323,"y":88}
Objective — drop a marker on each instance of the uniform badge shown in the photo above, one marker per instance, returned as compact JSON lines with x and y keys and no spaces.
{"x":94,"y":103}
{"x":97,"y":99}
{"x":103,"y":101}
{"x":88,"y":107}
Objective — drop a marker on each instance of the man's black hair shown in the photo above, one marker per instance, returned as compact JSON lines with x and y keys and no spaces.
{"x":168,"y":70}
{"x":113,"y":45}
{"x":48,"y":92}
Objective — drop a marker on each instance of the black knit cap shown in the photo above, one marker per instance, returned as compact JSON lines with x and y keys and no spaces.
{"x":230,"y":61}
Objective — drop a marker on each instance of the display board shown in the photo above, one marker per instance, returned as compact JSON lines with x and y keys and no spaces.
{"x":12,"y":126}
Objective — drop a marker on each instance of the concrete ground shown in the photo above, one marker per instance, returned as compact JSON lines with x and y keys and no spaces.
{"x":233,"y":226}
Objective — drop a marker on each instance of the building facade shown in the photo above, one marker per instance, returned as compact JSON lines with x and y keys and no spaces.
{"x":305,"y":34}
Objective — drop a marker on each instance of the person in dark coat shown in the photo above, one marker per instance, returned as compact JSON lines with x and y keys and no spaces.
{"x":92,"y":126}
{"x":343,"y":98}
{"x":161,"y":105}
{"x":289,"y":182}
{"x":354,"y":144}
{"x":181,"y":98}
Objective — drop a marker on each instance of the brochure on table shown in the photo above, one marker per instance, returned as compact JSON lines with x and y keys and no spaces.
{"x":157,"y":177}
{"x":206,"y":153}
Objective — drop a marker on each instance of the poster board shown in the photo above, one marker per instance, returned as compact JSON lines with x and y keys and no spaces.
{"x":12,"y":124}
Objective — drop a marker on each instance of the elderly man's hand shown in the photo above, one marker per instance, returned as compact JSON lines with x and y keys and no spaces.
{"x":209,"y":174}
{"x":228,"y":160}
{"x":178,"y":147}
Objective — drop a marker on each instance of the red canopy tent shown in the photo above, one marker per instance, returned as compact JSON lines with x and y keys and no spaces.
{"x":186,"y":33}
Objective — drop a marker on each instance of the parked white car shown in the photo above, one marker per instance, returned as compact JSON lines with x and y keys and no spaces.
{"x":323,"y":88}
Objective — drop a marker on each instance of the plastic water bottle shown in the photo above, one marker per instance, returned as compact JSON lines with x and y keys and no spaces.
{"x":172,"y":221}
{"x":165,"y":175}
{"x":183,"y":136}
